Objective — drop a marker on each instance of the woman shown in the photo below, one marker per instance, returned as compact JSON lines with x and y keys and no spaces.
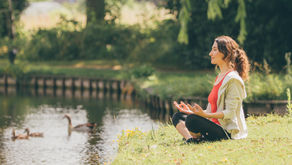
{"x":224,"y":117}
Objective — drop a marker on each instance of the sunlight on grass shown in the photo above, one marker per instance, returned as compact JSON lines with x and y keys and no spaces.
{"x":269,"y":142}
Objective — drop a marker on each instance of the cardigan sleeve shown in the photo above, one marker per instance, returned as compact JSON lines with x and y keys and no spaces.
{"x":208,"y":109}
{"x":234,"y":96}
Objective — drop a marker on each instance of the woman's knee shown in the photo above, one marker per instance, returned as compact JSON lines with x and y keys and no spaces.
{"x":176,"y":118}
{"x":191,"y":121}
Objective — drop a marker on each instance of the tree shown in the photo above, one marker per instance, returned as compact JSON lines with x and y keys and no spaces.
{"x":95,"y":11}
{"x":263,"y":29}
{"x":9,"y":13}
{"x":269,"y":31}
{"x":214,"y":12}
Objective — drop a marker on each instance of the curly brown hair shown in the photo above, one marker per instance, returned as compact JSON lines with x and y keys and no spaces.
{"x":234,"y":55}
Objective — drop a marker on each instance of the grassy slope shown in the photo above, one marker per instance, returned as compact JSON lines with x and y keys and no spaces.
{"x":269,"y":142}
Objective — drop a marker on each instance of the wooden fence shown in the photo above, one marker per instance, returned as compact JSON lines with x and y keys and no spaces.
{"x":94,"y":87}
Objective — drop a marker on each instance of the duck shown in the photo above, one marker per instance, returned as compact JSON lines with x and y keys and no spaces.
{"x":34,"y":134}
{"x":19,"y":136}
{"x":79,"y":127}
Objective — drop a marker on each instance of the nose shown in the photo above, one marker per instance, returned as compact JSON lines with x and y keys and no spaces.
{"x":210,"y":54}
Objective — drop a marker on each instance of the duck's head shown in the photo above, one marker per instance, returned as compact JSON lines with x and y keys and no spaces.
{"x":26,"y":130}
{"x":66,"y":116}
{"x":91,"y":125}
{"x":69,"y":119}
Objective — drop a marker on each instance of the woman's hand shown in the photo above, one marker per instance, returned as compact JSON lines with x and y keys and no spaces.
{"x":197,"y":110}
{"x":182,"y":107}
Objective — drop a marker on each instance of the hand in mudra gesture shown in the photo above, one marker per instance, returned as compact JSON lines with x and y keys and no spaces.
{"x":197,"y":110}
{"x":182,"y":107}
{"x":188,"y":109}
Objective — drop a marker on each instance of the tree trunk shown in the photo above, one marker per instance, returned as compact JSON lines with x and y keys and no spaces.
{"x":95,"y":11}
{"x":10,"y":28}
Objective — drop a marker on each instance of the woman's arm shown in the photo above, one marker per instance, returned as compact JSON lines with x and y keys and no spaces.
{"x":233,"y":98}
{"x":217,"y":115}
{"x":200,"y":112}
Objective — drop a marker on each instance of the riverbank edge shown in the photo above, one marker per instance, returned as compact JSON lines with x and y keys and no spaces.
{"x":126,"y":87}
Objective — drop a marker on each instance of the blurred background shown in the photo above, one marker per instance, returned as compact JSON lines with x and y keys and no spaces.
{"x":160,"y":47}
{"x":164,"y":33}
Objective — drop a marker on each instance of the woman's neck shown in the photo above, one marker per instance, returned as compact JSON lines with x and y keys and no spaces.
{"x":224,"y":68}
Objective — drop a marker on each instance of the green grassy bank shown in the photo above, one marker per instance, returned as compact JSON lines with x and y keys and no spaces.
{"x":89,"y":69}
{"x":269,"y":142}
{"x":163,"y":82}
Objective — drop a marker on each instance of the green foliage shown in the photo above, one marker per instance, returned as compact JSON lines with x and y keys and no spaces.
{"x":288,"y":60}
{"x":275,"y":25}
{"x":67,"y":42}
{"x":160,"y":46}
{"x":142,"y":72}
{"x":289,"y":105}
{"x":51,"y":44}
{"x":38,"y":0}
{"x":199,"y":84}
{"x":113,"y":8}
{"x":181,"y":86}
{"x":109,"y":41}
{"x":23,"y":68}
{"x":95,"y":11}
{"x":253,"y":18}
{"x":262,"y":86}
{"x":14,"y":70}
{"x":18,"y":7}
{"x":214,"y":11}
{"x":184,"y":18}
{"x":202,"y":31}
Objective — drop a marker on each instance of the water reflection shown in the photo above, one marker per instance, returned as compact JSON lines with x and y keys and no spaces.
{"x":114,"y":123}
{"x":45,"y":114}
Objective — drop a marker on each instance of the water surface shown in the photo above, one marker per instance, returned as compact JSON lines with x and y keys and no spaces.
{"x":45,"y":114}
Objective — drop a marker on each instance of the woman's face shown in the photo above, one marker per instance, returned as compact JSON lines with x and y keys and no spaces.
{"x":216,"y":56}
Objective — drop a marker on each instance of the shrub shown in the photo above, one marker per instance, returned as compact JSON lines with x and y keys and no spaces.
{"x":16,"y":71}
{"x":142,"y":72}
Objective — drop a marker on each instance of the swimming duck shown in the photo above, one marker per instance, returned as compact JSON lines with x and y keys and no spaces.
{"x":34,"y":134}
{"x":20,"y":136}
{"x":79,"y":127}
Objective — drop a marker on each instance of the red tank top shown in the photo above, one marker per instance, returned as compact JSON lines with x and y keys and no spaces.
{"x":213,"y":97}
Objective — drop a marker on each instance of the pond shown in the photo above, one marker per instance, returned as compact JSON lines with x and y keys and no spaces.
{"x":44,"y":113}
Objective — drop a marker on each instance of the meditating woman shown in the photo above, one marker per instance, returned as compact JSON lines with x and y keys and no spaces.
{"x":224,"y":116}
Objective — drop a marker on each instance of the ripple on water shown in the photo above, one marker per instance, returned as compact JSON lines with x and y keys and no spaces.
{"x":57,"y":147}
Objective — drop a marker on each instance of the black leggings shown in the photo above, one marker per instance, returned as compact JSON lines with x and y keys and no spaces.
{"x":198,"y":124}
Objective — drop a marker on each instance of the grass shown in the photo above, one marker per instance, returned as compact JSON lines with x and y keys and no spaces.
{"x":91,"y":69}
{"x":269,"y":142}
{"x":180,"y":84}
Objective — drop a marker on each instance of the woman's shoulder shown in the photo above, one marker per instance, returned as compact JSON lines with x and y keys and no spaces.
{"x":234,"y":81}
{"x":233,"y":76}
